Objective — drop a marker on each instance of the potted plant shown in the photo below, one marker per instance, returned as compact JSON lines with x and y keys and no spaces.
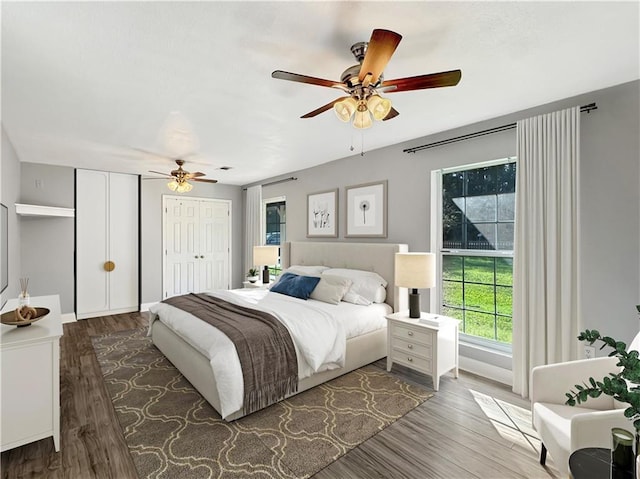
{"x":253,"y":275}
{"x":623,"y":385}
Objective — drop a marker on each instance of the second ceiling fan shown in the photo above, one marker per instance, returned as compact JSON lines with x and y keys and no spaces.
{"x":364,"y":82}
{"x":180,"y":178}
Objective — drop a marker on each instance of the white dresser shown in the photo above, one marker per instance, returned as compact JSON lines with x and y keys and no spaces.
{"x":30,"y":363}
{"x":428,"y":344}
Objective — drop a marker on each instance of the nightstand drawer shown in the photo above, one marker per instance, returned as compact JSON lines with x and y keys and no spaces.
{"x":411,"y":361}
{"x":414,"y":335}
{"x":411,"y":347}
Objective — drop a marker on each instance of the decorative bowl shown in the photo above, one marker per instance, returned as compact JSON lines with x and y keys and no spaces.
{"x":10,"y":318}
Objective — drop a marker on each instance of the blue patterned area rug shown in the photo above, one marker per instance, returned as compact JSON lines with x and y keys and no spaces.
{"x":172,"y":432}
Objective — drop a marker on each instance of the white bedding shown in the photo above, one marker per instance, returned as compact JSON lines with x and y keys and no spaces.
{"x":319,"y":332}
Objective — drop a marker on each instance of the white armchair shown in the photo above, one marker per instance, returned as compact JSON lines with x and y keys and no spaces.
{"x":564,"y":429}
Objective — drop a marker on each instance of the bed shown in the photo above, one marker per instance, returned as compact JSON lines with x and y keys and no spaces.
{"x":361,"y":349}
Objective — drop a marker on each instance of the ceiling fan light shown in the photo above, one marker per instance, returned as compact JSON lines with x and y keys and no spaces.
{"x":379,"y":107}
{"x":362,"y":120}
{"x":173,"y":185}
{"x":344,"y":109}
{"x":184,"y":187}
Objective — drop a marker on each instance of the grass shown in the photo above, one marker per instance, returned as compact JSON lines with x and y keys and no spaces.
{"x":478,"y":291}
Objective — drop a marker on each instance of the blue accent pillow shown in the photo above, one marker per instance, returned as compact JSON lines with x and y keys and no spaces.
{"x":295,"y":285}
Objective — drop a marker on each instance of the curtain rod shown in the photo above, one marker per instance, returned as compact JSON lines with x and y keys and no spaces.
{"x":497,"y":129}
{"x":284,"y":180}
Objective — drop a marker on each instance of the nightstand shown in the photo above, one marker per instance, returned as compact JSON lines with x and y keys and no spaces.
{"x":257,"y":284}
{"x":428,"y":344}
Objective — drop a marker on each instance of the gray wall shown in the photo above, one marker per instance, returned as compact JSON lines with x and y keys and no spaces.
{"x":9,"y":195}
{"x":48,"y":242}
{"x":610,"y":196}
{"x":152,"y":192}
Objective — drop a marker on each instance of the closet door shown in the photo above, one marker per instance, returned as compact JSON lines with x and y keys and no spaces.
{"x":107,"y":264}
{"x":123,"y":242}
{"x":92,"y":242}
{"x":182,"y":246}
{"x":196,"y":245}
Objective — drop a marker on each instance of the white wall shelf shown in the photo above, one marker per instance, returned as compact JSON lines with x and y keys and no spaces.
{"x":37,"y":210}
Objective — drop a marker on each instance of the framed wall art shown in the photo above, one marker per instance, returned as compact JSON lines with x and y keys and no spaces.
{"x":322,"y":214}
{"x":367,"y":210}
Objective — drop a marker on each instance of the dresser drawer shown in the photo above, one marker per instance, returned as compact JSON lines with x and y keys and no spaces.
{"x":411,"y":361}
{"x":411,"y":347}
{"x":414,"y":335}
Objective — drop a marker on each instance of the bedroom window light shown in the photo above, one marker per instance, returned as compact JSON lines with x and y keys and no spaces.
{"x":476,"y":212}
{"x":275,"y":214}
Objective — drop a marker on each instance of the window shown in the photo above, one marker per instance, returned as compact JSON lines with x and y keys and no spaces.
{"x":476,"y":250}
{"x":275,"y":225}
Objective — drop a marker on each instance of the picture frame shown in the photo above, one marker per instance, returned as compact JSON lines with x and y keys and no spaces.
{"x":366,"y":206}
{"x":322,"y":214}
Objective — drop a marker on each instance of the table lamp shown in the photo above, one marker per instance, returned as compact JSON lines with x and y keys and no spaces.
{"x":266,"y":255}
{"x":415,"y":270}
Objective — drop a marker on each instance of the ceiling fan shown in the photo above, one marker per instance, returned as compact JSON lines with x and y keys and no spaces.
{"x":364,"y":82}
{"x":180,"y":178}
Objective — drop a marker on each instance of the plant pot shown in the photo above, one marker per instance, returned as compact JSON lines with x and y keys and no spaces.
{"x":253,"y":279}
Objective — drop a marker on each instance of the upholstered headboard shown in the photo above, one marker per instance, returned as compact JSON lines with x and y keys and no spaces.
{"x":378,"y":257}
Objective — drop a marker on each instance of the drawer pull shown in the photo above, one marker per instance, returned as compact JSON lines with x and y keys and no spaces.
{"x":410,"y":333}
{"x":410,"y":359}
{"x":410,"y":346}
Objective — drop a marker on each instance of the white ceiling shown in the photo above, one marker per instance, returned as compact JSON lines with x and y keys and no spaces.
{"x":85,"y":84}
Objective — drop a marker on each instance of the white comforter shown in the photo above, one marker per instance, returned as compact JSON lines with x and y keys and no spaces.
{"x":319,"y":339}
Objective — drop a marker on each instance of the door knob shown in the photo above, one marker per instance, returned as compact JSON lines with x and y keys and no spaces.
{"x":201,"y":256}
{"x":196,"y":256}
{"x":109,"y":266}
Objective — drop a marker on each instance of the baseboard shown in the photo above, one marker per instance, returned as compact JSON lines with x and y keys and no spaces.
{"x":485,"y":370}
{"x":68,"y":318}
{"x":145,"y":306}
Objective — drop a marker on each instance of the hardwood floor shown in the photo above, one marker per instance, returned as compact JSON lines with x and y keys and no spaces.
{"x":471,"y":428}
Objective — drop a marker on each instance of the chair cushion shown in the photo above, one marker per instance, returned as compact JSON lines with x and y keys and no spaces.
{"x":553,"y":423}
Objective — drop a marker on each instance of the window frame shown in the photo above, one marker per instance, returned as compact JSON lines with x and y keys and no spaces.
{"x":436,"y":295}
{"x":265,"y":202}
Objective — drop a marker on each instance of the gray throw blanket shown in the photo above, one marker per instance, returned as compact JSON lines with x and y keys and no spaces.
{"x":266,"y":351}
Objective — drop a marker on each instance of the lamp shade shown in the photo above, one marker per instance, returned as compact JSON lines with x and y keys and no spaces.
{"x":415,"y":270}
{"x":345,"y":108}
{"x":265,"y":255}
{"x":379,"y":107}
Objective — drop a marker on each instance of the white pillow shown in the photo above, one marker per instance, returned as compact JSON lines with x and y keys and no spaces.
{"x":301,"y":271}
{"x":306,"y":270}
{"x":351,"y":297}
{"x":366,"y":284}
{"x":331,"y":289}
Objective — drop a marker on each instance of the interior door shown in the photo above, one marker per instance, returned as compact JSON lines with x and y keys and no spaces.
{"x":214,"y":245}
{"x":182,"y":248}
{"x":197,"y":245}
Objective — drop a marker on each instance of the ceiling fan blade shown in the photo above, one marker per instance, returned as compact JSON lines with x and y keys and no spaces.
{"x":324,"y":108}
{"x":159,"y":173}
{"x":204,"y":180}
{"x":281,"y":75}
{"x":381,"y":46}
{"x":194,"y":175}
{"x":420,"y":82}
{"x":392,"y":114}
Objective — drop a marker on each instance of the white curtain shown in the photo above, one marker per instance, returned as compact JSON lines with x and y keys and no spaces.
{"x":253,"y":224}
{"x":545,"y":269}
